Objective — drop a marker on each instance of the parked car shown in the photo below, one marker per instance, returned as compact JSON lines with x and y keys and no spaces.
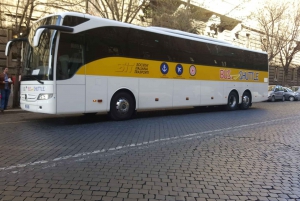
{"x":295,"y":88}
{"x":275,"y":92}
{"x":290,"y":94}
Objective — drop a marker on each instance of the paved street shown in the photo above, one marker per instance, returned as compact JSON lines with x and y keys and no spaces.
{"x":166,"y":155}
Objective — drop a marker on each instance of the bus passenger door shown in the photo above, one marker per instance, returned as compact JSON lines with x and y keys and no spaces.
{"x":70,"y":75}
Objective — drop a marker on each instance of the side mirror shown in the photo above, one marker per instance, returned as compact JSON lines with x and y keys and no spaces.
{"x":8,"y":48}
{"x":37,"y":36}
{"x":11,"y":42}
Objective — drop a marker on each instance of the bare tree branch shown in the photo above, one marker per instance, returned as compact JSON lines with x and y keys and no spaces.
{"x":121,"y":10}
{"x":280,"y":22}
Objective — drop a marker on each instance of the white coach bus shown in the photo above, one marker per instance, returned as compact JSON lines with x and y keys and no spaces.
{"x":78,"y":63}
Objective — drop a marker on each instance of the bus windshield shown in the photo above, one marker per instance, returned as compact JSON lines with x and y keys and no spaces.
{"x":39,"y":60}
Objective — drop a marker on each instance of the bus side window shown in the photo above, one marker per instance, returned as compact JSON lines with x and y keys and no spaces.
{"x":70,"y":56}
{"x":62,"y":67}
{"x":75,"y":63}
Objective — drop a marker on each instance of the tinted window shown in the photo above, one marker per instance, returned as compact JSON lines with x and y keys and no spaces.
{"x":73,"y":20}
{"x":70,"y":55}
{"x":261,"y":61}
{"x":127,"y":42}
{"x":148,"y":45}
{"x":106,"y":42}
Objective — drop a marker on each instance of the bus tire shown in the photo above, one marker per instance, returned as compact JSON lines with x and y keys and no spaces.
{"x":121,"y":106}
{"x":232,"y":103}
{"x":246,"y":101}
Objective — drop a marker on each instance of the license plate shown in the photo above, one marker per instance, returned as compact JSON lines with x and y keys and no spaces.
{"x":27,"y":106}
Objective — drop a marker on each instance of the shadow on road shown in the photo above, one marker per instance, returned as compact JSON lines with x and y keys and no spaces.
{"x":61,"y":120}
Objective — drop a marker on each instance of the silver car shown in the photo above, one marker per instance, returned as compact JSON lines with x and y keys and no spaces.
{"x":290,"y":94}
{"x":275,"y":92}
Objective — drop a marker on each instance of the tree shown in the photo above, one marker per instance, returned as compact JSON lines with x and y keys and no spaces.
{"x":289,"y":37}
{"x":120,"y":10}
{"x":186,"y":15}
{"x":270,"y":20}
{"x":279,"y":22}
{"x":173,"y":14}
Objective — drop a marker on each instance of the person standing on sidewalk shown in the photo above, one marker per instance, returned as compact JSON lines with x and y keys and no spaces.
{"x":5,"y":84}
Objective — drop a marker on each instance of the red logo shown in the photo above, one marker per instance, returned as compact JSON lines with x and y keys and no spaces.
{"x":192,"y":70}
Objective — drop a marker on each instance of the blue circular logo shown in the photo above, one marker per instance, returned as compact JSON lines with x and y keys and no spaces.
{"x":179,"y":69}
{"x":164,"y":68}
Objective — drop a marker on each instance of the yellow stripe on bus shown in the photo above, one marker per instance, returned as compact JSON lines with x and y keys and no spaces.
{"x":128,"y":67}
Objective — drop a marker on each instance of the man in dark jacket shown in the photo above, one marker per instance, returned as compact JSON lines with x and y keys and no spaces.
{"x":5,"y":84}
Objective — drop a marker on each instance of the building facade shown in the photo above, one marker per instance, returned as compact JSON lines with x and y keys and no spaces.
{"x":211,"y":23}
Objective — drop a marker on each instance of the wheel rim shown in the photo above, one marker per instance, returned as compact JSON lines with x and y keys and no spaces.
{"x":232,"y":101}
{"x":291,"y":98}
{"x":122,"y":106}
{"x":273,"y":98}
{"x":246,"y":100}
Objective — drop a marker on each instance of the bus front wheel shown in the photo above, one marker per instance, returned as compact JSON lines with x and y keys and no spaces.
{"x":246,"y":101}
{"x":121,"y":106}
{"x":232,"y":103}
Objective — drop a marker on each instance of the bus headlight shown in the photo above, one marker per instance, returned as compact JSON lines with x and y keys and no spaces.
{"x":45,"y":96}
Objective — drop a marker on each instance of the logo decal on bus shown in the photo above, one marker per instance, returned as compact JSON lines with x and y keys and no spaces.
{"x":243,"y":75}
{"x":179,"y":69}
{"x":225,"y":74}
{"x":164,"y":68}
{"x":192,"y":70}
{"x":36,"y":88}
{"x":141,"y":68}
{"x":249,"y":75}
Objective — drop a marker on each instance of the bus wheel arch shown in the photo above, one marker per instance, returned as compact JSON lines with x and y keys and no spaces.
{"x":122,"y":105}
{"x":233,"y":100}
{"x":246,"y":100}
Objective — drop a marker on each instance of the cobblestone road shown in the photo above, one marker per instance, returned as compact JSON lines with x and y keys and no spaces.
{"x":166,"y":155}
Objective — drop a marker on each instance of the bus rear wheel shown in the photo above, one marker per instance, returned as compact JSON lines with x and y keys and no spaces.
{"x":246,"y":101}
{"x":232,"y":103}
{"x":121,"y":106}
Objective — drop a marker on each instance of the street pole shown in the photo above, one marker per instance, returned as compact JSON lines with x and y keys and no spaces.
{"x":86,"y":6}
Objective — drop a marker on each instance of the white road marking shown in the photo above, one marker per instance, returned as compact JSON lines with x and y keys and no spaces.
{"x":188,"y":136}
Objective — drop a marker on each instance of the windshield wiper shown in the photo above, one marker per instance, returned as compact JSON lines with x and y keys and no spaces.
{"x":37,"y":79}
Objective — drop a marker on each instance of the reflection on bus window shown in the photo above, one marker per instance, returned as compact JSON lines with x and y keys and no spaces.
{"x":69,"y":57}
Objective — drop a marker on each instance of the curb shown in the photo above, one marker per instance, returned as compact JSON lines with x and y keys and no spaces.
{"x":14,"y":111}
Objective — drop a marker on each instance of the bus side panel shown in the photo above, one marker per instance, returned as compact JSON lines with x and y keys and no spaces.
{"x":237,"y":86}
{"x":96,"y":94}
{"x":155,"y":93}
{"x":259,"y":92}
{"x":117,"y":83}
{"x":186,"y":93}
{"x":71,"y":95}
{"x":212,"y":93}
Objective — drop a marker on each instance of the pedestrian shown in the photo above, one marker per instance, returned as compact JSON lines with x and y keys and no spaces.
{"x":5,"y":84}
